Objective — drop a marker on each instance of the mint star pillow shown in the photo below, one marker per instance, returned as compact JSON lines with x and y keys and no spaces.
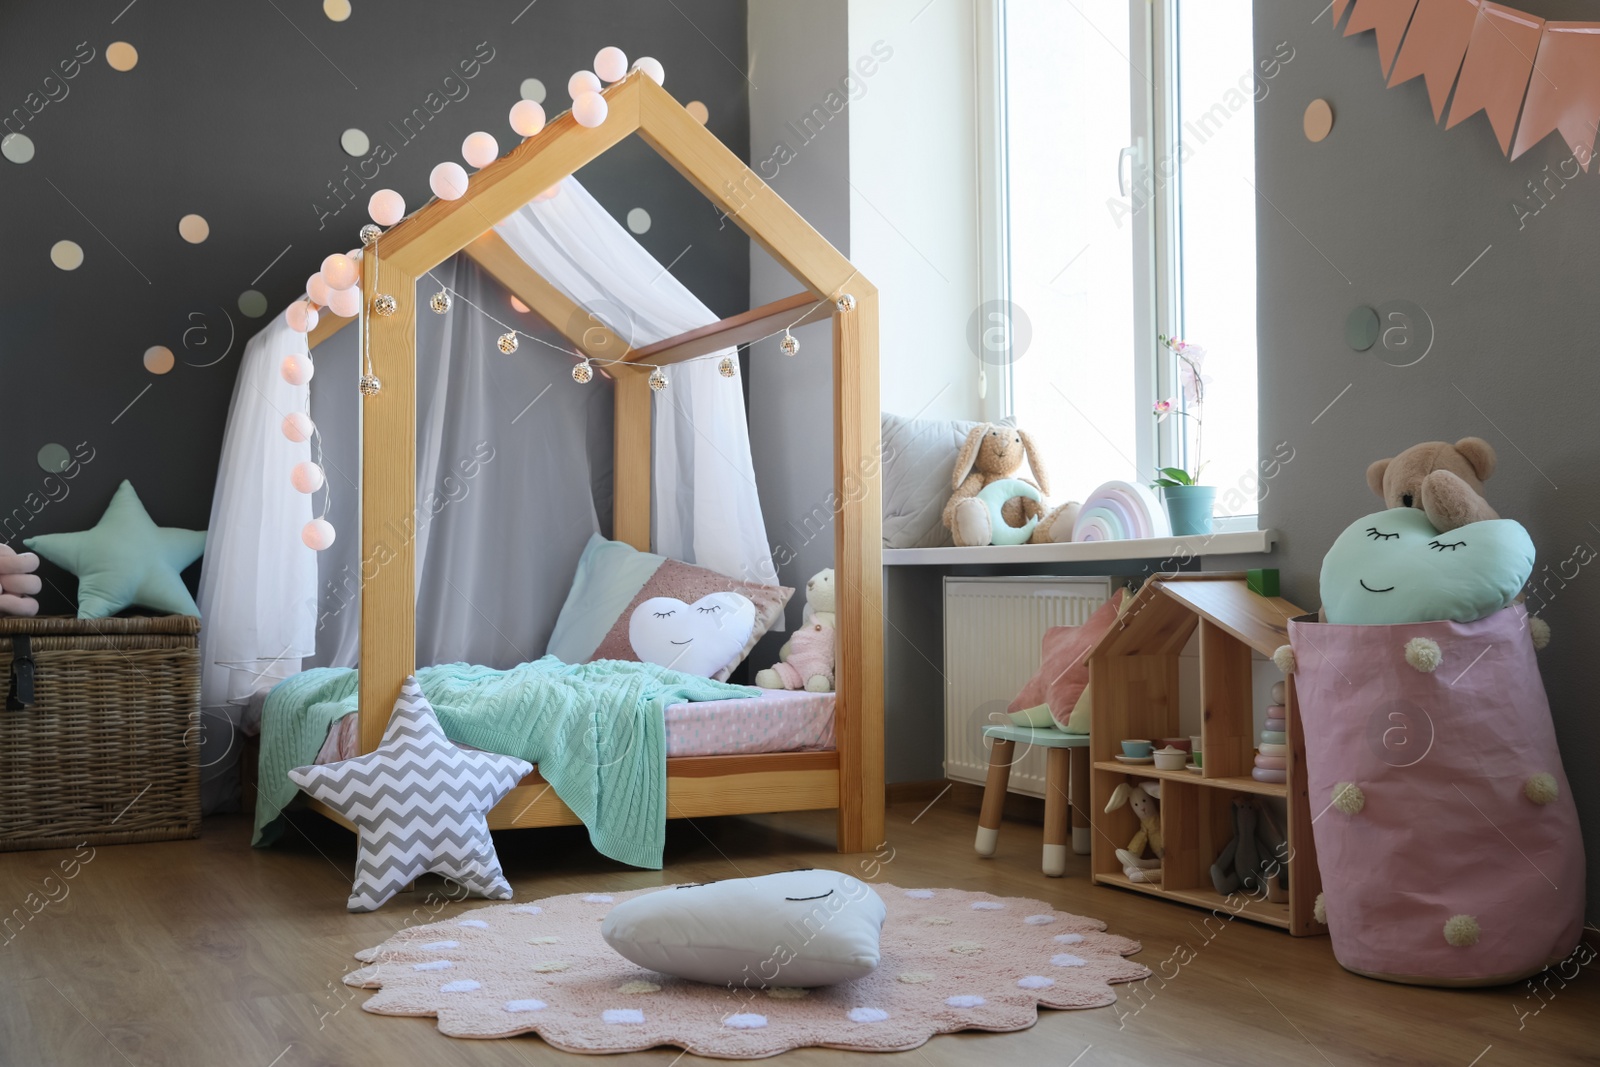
{"x":126,"y":560}
{"x":1394,"y":567}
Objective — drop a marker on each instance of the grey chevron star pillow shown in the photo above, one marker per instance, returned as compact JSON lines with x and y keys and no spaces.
{"x":419,"y":804}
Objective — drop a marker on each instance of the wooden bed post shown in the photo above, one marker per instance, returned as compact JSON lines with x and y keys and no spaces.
{"x":388,"y":498}
{"x":630,"y":463}
{"x":858,"y":570}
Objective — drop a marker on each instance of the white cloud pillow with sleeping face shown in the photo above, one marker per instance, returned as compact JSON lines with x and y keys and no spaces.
{"x":1394,"y":567}
{"x":699,"y":638}
{"x":798,"y":928}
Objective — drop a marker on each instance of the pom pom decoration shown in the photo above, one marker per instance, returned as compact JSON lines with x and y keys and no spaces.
{"x":480,"y":149}
{"x":307,"y":477}
{"x":298,"y":427}
{"x":1348,"y":798}
{"x":340,"y":272}
{"x":1283,"y":658}
{"x":318,"y":534}
{"x":1319,"y":909}
{"x":652,"y":68}
{"x":527,"y":118}
{"x":1541,"y":788}
{"x":611,"y":63}
{"x":1423,"y":654}
{"x":448,"y":181}
{"x":386,"y":207}
{"x":297,"y":368}
{"x":301,"y":317}
{"x":346,"y":303}
{"x":1540,"y":630}
{"x":581,"y":83}
{"x":590,"y":110}
{"x":317,"y":289}
{"x":1461,"y":931}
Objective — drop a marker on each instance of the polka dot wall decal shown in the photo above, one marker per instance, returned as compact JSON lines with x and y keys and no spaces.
{"x":639,"y":220}
{"x":194,"y":228}
{"x":158,"y":359}
{"x":68,"y":255}
{"x":698,"y":111}
{"x":54,"y":458}
{"x":355,"y":142}
{"x":336,"y":10}
{"x":533,"y":89}
{"x":252,"y":304}
{"x":122,"y":55}
{"x":17,"y":147}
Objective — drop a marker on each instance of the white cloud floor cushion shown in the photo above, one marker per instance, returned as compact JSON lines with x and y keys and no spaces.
{"x":419,"y":804}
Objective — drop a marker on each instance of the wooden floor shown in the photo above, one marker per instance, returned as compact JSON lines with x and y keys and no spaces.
{"x":206,"y":952}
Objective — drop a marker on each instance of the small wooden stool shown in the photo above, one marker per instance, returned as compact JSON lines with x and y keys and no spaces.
{"x":1066,"y":780}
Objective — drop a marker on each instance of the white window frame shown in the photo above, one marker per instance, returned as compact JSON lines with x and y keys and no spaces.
{"x":1157,"y":291}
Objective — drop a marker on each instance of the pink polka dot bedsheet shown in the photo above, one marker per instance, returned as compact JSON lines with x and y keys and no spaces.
{"x":778,"y":720}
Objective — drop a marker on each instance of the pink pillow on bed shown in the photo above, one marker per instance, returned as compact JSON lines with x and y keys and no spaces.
{"x":1064,"y":663}
{"x":688,"y":583}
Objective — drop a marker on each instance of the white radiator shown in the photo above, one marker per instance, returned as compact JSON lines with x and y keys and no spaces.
{"x":992,"y":629}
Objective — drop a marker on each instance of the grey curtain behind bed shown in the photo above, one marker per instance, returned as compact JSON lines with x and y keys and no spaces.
{"x":512,"y":455}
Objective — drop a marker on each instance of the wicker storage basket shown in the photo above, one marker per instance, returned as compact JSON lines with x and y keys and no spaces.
{"x":107,"y":749}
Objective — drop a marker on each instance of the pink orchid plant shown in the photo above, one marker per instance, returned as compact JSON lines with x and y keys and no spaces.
{"x":1192,"y":382}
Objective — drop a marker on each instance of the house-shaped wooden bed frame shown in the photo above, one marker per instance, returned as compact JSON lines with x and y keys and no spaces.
{"x":850,"y":778}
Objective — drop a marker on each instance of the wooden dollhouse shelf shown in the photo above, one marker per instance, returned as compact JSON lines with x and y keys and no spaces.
{"x":1254,"y":909}
{"x":1236,"y":784}
{"x":1133,"y":672}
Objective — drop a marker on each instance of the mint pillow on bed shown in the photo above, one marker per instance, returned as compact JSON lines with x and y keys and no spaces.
{"x":614,"y":578}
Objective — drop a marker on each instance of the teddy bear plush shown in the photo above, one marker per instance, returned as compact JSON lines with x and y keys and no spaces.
{"x":807,"y":665}
{"x":992,"y":455}
{"x":806,"y":659}
{"x":18,"y":584}
{"x":1444,"y":481}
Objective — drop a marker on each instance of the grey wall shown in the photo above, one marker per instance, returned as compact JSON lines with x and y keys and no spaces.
{"x":234,"y":112}
{"x":798,"y":53}
{"x":1391,"y":207}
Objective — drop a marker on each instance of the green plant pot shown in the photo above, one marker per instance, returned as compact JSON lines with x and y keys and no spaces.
{"x":1189,"y":508}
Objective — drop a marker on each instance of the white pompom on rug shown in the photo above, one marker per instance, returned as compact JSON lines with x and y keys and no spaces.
{"x":951,"y":960}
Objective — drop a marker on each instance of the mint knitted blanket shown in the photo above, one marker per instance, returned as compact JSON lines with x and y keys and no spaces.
{"x":595,"y":730}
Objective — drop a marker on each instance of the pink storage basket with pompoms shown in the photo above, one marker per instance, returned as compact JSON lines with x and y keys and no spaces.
{"x":1456,"y":858}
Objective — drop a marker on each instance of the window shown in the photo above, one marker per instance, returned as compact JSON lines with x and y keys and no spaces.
{"x":1119,"y":178}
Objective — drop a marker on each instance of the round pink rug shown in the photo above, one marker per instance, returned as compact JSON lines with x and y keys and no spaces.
{"x":951,"y":960}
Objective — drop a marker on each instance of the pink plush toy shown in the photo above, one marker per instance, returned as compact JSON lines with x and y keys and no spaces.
{"x":18,"y":584}
{"x":808,"y":664}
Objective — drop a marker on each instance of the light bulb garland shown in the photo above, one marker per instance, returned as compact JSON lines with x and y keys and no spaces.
{"x":729,"y":367}
{"x":440,"y":301}
{"x":369,"y":234}
{"x":582,"y":373}
{"x":658,"y":380}
{"x":789,"y":345}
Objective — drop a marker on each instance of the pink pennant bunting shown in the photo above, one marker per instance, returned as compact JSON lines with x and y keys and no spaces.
{"x":1565,"y":91}
{"x":1494,"y":76}
{"x":1389,"y":18}
{"x":1435,"y":46}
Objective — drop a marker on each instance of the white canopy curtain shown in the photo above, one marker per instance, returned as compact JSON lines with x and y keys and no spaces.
{"x":706,"y":509}
{"x":504,"y":492}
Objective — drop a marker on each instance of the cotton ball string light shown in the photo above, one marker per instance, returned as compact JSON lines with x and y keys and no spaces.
{"x":298,"y":427}
{"x":590,"y":110}
{"x":340,"y":272}
{"x":318,"y":534}
{"x":317,"y":289}
{"x":527,"y":118}
{"x":354,"y":256}
{"x":480,"y":149}
{"x":307,"y":477}
{"x":549,"y":194}
{"x":581,"y":83}
{"x":448,"y":181}
{"x":301,"y":317}
{"x":611,"y":63}
{"x":386,"y":207}
{"x":653,"y":68}
{"x":297,"y":368}
{"x":346,"y":303}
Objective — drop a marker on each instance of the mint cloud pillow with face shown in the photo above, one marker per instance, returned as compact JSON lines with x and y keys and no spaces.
{"x":1394,"y":567}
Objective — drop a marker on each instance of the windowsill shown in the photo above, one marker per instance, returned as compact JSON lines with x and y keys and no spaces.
{"x":1180,"y":549}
